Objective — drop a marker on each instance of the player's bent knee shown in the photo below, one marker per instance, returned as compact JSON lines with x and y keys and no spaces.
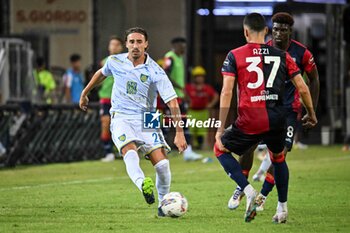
{"x":162,"y":163}
{"x":217,"y":151}
{"x":269,"y":178}
{"x":127,"y":147}
{"x":277,"y":157}
{"x":158,"y":155}
{"x":129,"y":152}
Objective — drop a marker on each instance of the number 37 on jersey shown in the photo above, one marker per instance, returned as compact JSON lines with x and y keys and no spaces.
{"x":259,"y":71}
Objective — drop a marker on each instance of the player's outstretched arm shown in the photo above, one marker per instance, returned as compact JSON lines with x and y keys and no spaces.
{"x":179,"y":140}
{"x":225,"y":103}
{"x":310,"y":119}
{"x":95,"y":81}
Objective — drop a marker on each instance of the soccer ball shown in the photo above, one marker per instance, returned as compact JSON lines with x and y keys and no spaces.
{"x":174,"y":205}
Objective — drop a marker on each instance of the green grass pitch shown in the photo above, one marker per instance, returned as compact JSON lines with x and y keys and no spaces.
{"x":99,"y":197}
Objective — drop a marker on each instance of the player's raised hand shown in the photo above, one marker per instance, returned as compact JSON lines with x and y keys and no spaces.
{"x":83,"y":102}
{"x":309,"y":121}
{"x":180,"y":142}
{"x":219,"y":143}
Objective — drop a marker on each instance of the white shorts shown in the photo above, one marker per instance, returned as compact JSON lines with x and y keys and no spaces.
{"x":125,"y":131}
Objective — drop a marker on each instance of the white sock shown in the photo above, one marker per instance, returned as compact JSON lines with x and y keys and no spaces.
{"x":266,"y":163}
{"x":163,"y":178}
{"x":262,"y":147}
{"x":249,"y":191}
{"x":132,"y":162}
{"x":188,"y":149}
{"x":282,"y":207}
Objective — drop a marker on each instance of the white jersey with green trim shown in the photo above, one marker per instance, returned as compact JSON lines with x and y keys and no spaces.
{"x":135,"y":89}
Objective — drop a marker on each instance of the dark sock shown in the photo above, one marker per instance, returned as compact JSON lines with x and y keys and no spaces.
{"x":107,"y":146}
{"x":233,"y":169}
{"x":246,"y":174}
{"x":281,"y":179}
{"x":268,"y":185}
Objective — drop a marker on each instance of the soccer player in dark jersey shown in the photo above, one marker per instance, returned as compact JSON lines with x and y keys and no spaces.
{"x":282,"y":24}
{"x":260,"y":71}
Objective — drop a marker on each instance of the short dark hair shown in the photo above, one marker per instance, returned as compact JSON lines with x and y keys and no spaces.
{"x":136,"y":30}
{"x":178,"y":40}
{"x":40,"y":61}
{"x":114,"y":37}
{"x":283,"y":18}
{"x":75,"y":57}
{"x":255,"y":22}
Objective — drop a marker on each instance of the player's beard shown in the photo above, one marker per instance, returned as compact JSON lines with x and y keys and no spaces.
{"x":136,"y":54}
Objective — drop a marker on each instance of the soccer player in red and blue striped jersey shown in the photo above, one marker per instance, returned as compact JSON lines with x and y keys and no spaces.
{"x":282,"y":24}
{"x":281,"y":34}
{"x":260,"y":71}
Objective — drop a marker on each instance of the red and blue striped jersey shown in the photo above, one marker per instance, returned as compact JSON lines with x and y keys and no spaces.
{"x":305,"y":61}
{"x":260,"y":71}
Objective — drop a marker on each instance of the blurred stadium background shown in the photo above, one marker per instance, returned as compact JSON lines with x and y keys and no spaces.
{"x":34,"y":131}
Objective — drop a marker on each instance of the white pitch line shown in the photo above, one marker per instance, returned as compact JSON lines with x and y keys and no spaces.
{"x":73,"y":182}
{"x":192,"y":171}
{"x":58,"y":183}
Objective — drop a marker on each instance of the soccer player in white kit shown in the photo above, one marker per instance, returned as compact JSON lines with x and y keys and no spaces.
{"x":137,"y":81}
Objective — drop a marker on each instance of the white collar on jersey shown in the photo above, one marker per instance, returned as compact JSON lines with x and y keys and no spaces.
{"x":147,"y":62}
